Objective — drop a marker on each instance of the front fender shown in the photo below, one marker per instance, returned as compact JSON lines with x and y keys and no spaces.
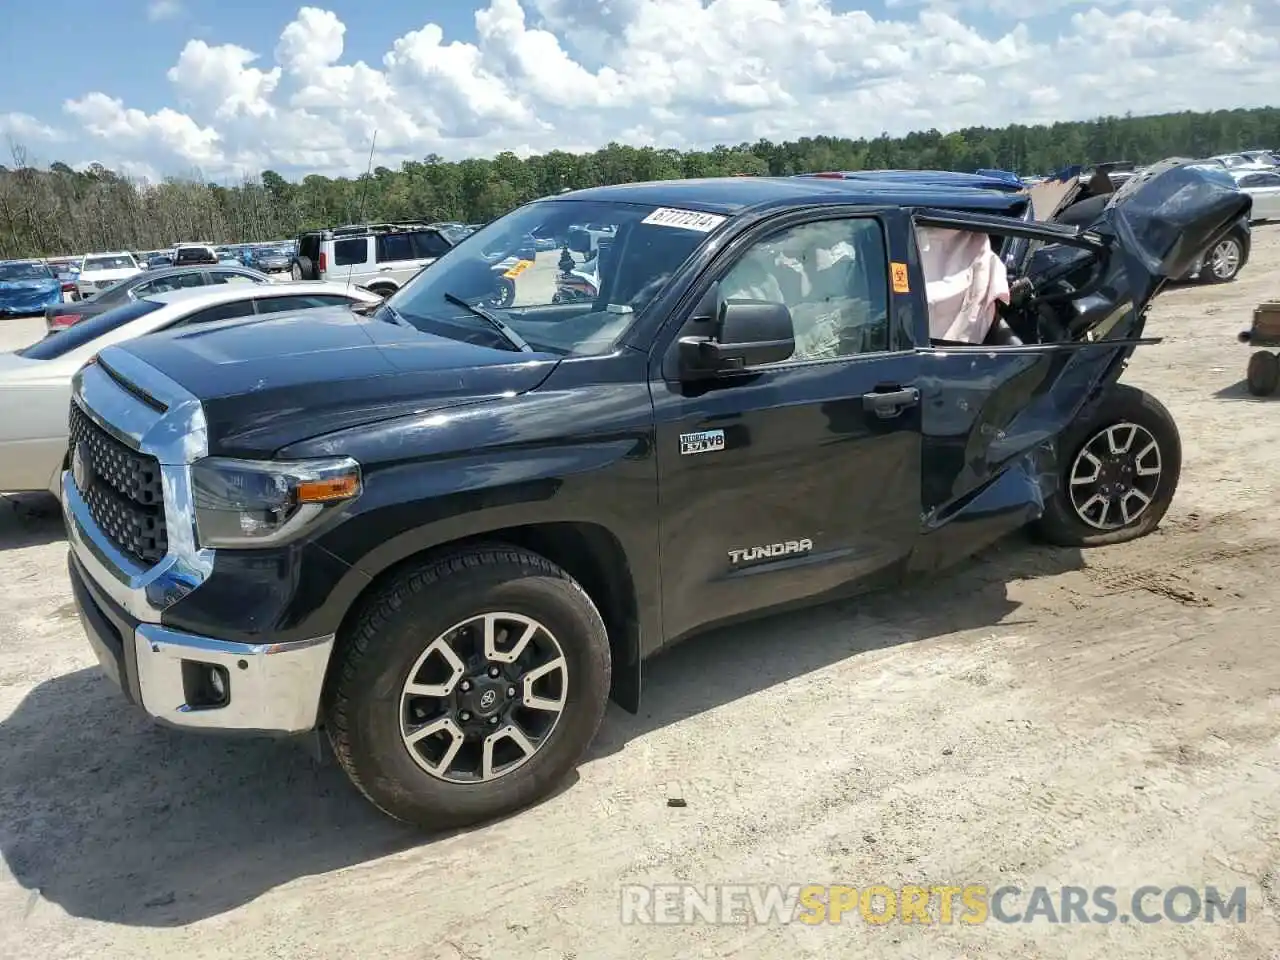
{"x":582,"y":454}
{"x":409,"y":508}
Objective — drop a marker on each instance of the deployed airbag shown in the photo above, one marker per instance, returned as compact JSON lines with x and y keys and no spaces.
{"x":964,"y":280}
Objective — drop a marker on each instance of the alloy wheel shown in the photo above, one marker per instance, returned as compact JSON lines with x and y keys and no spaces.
{"x":1225,"y":259}
{"x":1115,"y":476}
{"x":483,"y":698}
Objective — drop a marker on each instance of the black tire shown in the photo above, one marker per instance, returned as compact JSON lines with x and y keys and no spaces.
{"x":505,"y":295}
{"x":303,"y":269}
{"x":1263,"y":375}
{"x":1062,"y":523}
{"x":1208,"y":274}
{"x":363,"y":705}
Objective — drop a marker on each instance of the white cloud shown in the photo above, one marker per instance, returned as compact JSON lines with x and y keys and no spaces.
{"x":220,"y":80}
{"x":108,"y":119}
{"x":163,"y":10}
{"x":575,"y":74}
{"x":25,"y":129}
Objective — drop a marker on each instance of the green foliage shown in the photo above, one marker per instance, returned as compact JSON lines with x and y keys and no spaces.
{"x":60,"y":211}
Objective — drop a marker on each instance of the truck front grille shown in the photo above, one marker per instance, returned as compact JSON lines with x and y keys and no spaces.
{"x":123,"y":490}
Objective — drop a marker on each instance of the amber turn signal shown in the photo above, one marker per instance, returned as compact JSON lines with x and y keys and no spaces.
{"x":329,"y":490}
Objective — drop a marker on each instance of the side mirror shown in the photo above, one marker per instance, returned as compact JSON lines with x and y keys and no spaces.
{"x":748,"y":333}
{"x":579,"y":241}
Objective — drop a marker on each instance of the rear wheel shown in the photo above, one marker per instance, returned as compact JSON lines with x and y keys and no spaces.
{"x":1222,"y":263}
{"x":1263,"y":375}
{"x":469,"y":687}
{"x":303,"y":269}
{"x":1118,"y":472}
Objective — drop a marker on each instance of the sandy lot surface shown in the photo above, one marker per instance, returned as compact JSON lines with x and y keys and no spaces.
{"x":1038,"y":717}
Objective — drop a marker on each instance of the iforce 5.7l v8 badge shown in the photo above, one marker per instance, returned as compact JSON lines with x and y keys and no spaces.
{"x":707,"y":441}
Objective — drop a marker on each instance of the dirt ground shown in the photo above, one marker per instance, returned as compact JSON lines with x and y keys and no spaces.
{"x":1037,"y":717}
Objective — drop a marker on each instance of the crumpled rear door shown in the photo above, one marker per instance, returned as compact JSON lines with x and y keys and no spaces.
{"x":991,"y":415}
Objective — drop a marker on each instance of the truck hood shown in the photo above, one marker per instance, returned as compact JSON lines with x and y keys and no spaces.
{"x":105,"y":276}
{"x":266,"y":382}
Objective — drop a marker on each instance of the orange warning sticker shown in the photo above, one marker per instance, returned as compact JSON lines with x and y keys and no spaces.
{"x":898,"y":276}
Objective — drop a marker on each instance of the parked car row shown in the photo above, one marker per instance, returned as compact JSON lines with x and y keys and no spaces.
{"x":62,"y":315}
{"x":383,"y":256}
{"x":35,"y":383}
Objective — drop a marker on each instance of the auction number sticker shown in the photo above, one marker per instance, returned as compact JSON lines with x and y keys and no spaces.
{"x":520,"y":267}
{"x":684,"y":219}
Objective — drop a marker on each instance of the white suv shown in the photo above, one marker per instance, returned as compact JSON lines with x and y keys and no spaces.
{"x":379,"y":257}
{"x":101,"y":270}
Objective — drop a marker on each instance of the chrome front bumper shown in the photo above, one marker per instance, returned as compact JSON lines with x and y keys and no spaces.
{"x":270,"y":688}
{"x":181,"y":679}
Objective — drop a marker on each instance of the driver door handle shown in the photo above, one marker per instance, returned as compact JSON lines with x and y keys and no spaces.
{"x":890,"y":403}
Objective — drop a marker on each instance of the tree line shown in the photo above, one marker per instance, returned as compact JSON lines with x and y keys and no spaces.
{"x":55,"y":210}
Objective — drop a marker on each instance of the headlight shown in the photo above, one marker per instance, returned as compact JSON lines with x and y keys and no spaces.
{"x":252,"y":503}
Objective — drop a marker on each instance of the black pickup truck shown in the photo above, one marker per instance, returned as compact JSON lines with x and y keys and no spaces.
{"x":446,"y":532}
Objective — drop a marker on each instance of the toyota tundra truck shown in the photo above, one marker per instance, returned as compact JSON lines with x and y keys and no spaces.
{"x":447,"y":532}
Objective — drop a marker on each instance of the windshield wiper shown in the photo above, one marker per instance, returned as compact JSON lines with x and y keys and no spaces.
{"x":381,"y":311}
{"x":511,"y":336}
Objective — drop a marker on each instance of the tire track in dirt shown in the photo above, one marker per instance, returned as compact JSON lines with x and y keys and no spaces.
{"x":1194,"y":561}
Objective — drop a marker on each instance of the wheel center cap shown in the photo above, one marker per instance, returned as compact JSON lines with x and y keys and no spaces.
{"x":486,"y":698}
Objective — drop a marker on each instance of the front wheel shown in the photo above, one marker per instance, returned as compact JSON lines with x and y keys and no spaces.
{"x":505,"y":294}
{"x":1118,"y":472}
{"x":469,"y":687}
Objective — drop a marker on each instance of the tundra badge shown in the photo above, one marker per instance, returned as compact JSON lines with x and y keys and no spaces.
{"x":786,"y":548}
{"x":708,"y":441}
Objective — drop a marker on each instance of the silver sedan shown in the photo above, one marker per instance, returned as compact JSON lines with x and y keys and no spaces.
{"x":35,"y":383}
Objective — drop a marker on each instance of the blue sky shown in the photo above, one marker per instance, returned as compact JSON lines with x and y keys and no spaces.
{"x":157,"y":87}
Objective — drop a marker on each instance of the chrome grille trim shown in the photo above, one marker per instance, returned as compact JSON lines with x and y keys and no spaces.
{"x":176,"y":438}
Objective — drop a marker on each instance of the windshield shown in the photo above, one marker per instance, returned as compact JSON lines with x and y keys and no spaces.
{"x":121,"y":262}
{"x":24,"y":271}
{"x":58,"y":344}
{"x":575,"y":300}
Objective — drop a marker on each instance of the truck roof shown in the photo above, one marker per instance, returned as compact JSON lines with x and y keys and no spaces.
{"x":734,"y":195}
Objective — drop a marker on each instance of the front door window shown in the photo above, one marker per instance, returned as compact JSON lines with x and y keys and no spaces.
{"x":833,"y":277}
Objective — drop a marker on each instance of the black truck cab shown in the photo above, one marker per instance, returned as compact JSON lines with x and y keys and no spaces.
{"x":447,"y":531}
